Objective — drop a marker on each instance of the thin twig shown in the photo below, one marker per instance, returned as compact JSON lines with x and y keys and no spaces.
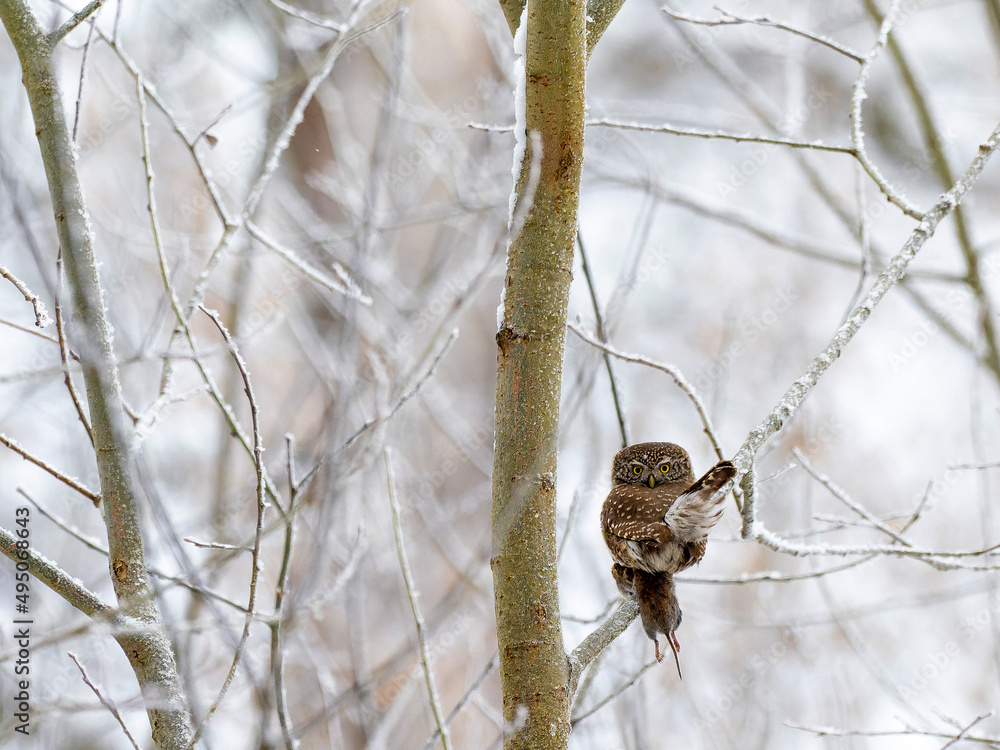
{"x":976,"y":467}
{"x":94,"y":545}
{"x":487,"y":670}
{"x":211,"y":139}
{"x":678,"y":377}
{"x":964,"y":731}
{"x":772,"y":235}
{"x":796,"y":393}
{"x":149,"y":417}
{"x":65,"y":354}
{"x":59,"y":34}
{"x":277,"y":619}
{"x":284,"y":136}
{"x":771,"y":576}
{"x":574,"y":509}
{"x":858,"y":94}
{"x":346,"y":286}
{"x":841,"y":495}
{"x":106,"y":702}
{"x":217,"y":545}
{"x":611,"y":696}
{"x":83,"y":75}
{"x":603,"y":336}
{"x":258,"y":455}
{"x":411,"y":593}
{"x":94,"y":497}
{"x":910,"y":732}
{"x":90,"y":542}
{"x":939,"y":159}
{"x":29,"y":331}
{"x":347,"y":572}
{"x":731,"y":19}
{"x":666,"y":127}
{"x":42,"y":318}
{"x":311,"y":18}
{"x":401,"y":402}
{"x":772,"y":541}
{"x":864,"y":241}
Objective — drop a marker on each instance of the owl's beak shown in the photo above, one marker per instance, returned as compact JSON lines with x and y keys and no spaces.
{"x":652,"y":481}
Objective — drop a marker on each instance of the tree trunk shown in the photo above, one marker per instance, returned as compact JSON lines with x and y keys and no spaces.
{"x":144,"y":641}
{"x":534,"y":669}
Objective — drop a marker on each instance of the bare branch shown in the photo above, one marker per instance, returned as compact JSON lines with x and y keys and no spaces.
{"x":603,"y":336}
{"x":859,"y":93}
{"x":59,"y":34}
{"x":258,"y":455}
{"x":65,"y":355}
{"x":494,"y":662}
{"x":611,"y":696}
{"x":841,"y":495}
{"x":678,"y":377}
{"x":788,"y":405}
{"x":348,"y":287}
{"x":598,"y":640}
{"x":769,"y":539}
{"x":731,"y":19}
{"x":411,"y":593}
{"x":311,"y":18}
{"x":42,"y":318}
{"x":94,"y":545}
{"x":106,"y":702}
{"x":719,"y":135}
{"x":908,"y":731}
{"x":46,"y":571}
{"x":94,"y":497}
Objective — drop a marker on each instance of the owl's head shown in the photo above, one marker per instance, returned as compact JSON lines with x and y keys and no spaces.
{"x":652,"y":464}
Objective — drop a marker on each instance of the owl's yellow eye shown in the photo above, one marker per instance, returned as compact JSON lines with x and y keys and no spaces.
{"x":665,"y":468}
{"x":637,"y":470}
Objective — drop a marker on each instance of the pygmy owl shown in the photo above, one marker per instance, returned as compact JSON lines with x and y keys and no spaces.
{"x":656,"y":517}
{"x":655,"y":522}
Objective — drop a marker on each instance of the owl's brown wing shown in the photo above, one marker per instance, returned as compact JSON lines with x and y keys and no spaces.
{"x":699,"y":508}
{"x":632,"y":522}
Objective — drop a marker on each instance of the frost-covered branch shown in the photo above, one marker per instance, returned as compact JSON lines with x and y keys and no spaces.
{"x":962,"y":735}
{"x":598,"y":640}
{"x":94,"y":497}
{"x":42,"y":318}
{"x":106,"y":702}
{"x":46,"y":571}
{"x":148,"y":646}
{"x":411,"y":594}
{"x":258,"y":457}
{"x":610,"y":122}
{"x":839,"y":493}
{"x":731,"y":19}
{"x":935,"y":140}
{"x":678,"y":377}
{"x":796,"y":393}
{"x":859,"y":93}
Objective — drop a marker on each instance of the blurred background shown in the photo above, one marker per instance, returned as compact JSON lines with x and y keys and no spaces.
{"x":362,"y":295}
